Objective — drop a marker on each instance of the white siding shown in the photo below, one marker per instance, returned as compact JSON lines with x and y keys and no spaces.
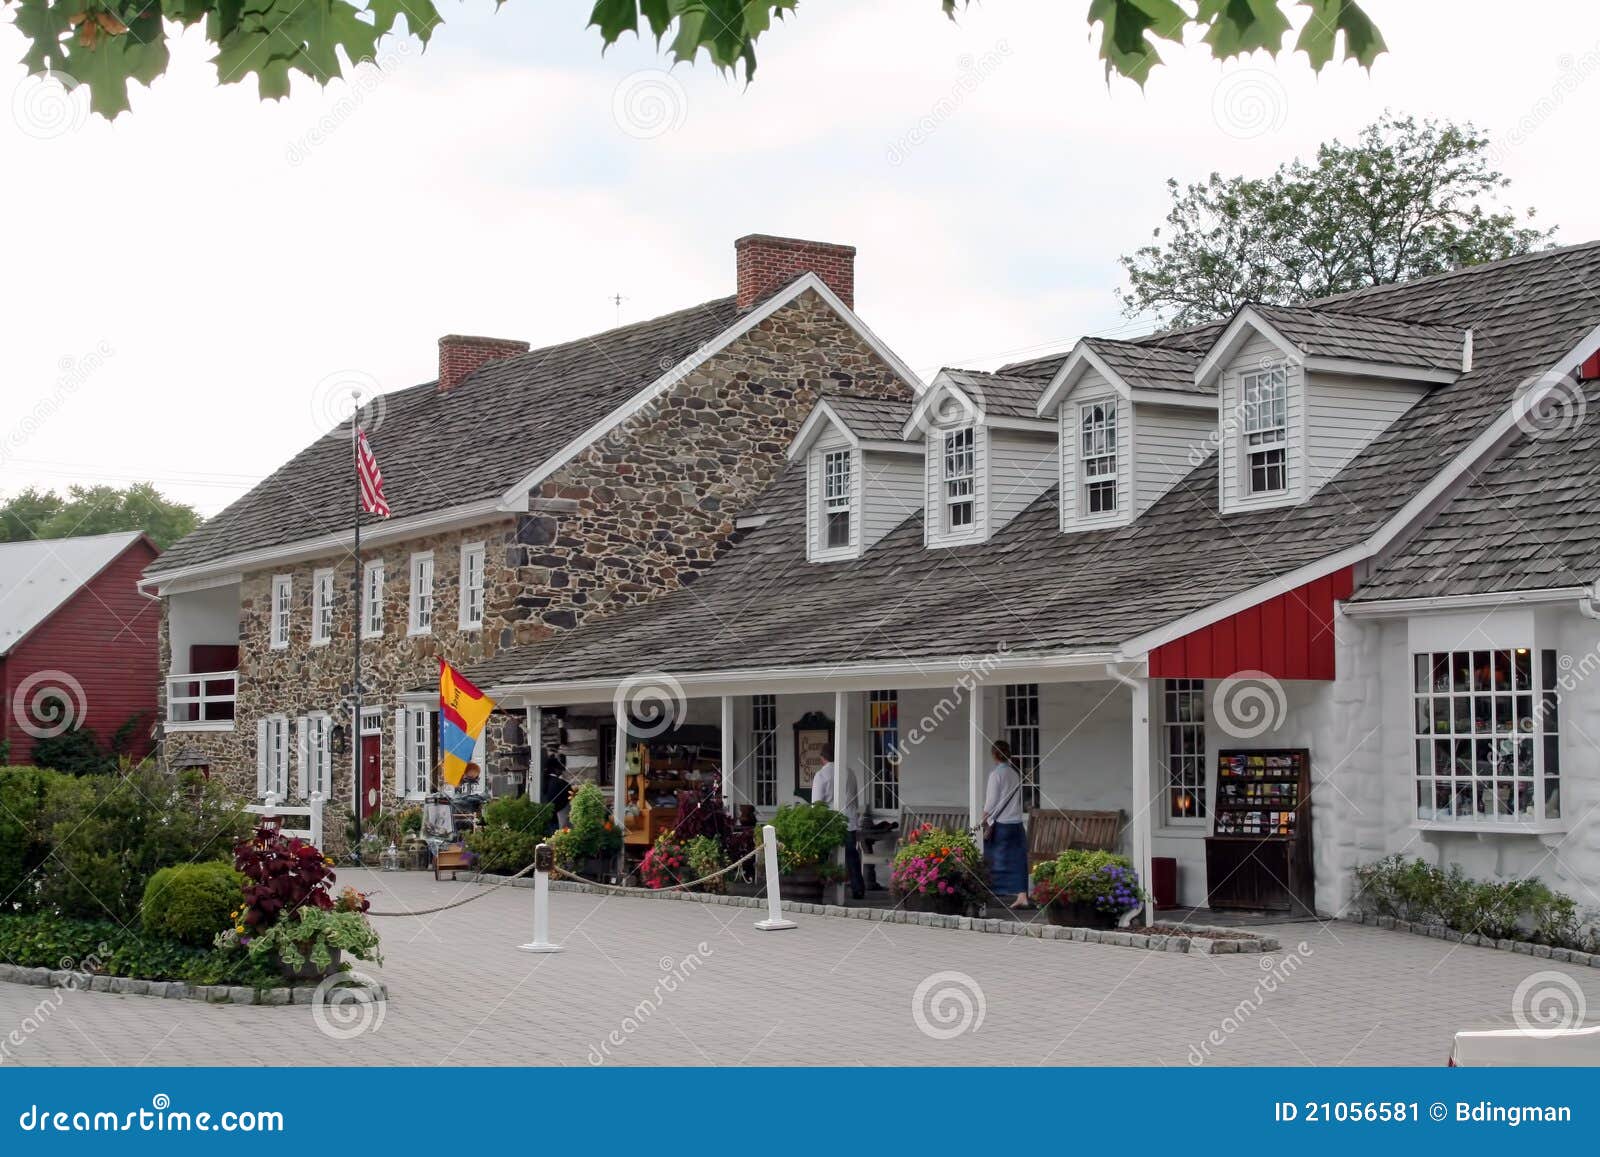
{"x":1257,"y":353}
{"x":934,"y":534}
{"x":830,"y":440}
{"x":1022,"y":466}
{"x":891,"y":492}
{"x":1345,"y":414}
{"x":1169,"y":442}
{"x":1092,"y":387}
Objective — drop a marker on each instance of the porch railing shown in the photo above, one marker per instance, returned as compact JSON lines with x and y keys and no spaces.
{"x":202,"y":698}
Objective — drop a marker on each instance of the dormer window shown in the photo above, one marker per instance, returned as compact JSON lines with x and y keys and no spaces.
{"x":1264,"y":401}
{"x":836,"y":499}
{"x":960,"y":470}
{"x":1097,"y":448}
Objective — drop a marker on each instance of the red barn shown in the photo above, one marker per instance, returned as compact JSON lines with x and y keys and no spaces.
{"x":79,"y":644}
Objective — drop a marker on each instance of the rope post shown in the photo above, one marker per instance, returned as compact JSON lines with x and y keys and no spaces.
{"x":543,"y":861}
{"x":774,"y":921}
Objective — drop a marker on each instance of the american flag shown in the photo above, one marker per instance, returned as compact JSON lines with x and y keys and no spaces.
{"x":372,"y":499}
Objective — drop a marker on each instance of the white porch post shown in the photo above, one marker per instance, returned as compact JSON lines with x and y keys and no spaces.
{"x":727,"y":753}
{"x":620,"y":773}
{"x":1141,"y":786}
{"x":534,"y":788}
{"x":841,"y":765}
{"x":976,"y":751}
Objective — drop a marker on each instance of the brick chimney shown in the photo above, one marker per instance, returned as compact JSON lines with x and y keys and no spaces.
{"x":460,"y":355}
{"x":769,"y":263}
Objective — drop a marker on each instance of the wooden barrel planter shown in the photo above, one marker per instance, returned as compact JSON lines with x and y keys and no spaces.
{"x":939,"y":902}
{"x":1079,"y":915}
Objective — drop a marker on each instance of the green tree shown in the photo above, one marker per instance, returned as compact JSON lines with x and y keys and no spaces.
{"x":96,"y":510}
{"x":1405,"y":200}
{"x":107,"y":43}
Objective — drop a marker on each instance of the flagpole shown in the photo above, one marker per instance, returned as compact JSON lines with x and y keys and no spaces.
{"x":357,"y":625}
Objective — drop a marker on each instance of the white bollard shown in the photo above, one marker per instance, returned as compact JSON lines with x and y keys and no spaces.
{"x":774,"y":921}
{"x":543,"y":859}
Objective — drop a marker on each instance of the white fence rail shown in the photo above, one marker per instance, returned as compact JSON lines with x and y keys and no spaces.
{"x":202,"y":697}
{"x":312,"y":813}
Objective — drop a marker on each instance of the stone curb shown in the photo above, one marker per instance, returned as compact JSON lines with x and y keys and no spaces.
{"x":1123,"y":938}
{"x":1474,"y":940}
{"x":165,"y":989}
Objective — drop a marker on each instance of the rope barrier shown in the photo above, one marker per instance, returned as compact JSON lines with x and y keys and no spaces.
{"x":458,"y":903}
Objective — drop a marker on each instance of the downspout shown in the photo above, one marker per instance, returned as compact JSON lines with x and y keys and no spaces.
{"x":1589,"y":601}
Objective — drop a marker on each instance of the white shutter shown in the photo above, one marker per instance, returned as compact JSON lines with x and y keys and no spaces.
{"x":303,"y":756}
{"x":261,"y":758}
{"x":324,"y":778}
{"x":424,"y":774}
{"x":400,"y":753}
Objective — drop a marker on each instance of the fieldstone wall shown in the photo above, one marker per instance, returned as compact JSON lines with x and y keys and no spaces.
{"x":645,"y":510}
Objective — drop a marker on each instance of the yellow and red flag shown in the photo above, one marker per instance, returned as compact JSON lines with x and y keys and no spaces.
{"x":463,"y":710}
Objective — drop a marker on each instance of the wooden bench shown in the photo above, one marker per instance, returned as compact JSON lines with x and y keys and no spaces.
{"x":956,"y":819}
{"x":1052,"y":831}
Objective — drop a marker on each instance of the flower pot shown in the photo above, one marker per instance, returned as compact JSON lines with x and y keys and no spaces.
{"x":1079,"y":915}
{"x":310,"y":970}
{"x":596,"y":868}
{"x":805,"y":886}
{"x":940,"y":902}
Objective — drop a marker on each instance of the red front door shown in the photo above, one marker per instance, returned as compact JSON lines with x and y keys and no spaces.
{"x":371,"y":773}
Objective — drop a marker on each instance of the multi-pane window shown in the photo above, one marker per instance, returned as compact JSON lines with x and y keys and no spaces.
{"x":1183,"y":752}
{"x":472,"y":556}
{"x":321,"y":606}
{"x":372,"y":600}
{"x":316,"y":755}
{"x":1488,"y":736}
{"x":282,"y":609}
{"x":1264,"y":406}
{"x":273,"y":757}
{"x":419,"y":751}
{"x":764,"y":749}
{"x":883,"y":749}
{"x":1022,"y":735}
{"x":960,"y":470}
{"x":836,"y":499}
{"x":421,"y":593}
{"x":1097,"y":456}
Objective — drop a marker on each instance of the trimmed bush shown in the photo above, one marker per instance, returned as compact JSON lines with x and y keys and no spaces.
{"x":520,"y":814}
{"x":191,"y":903}
{"x":502,"y":850}
{"x":1420,"y":893}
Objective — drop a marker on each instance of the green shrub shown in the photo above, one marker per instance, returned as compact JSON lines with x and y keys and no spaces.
{"x":502,"y":850}
{"x":44,"y":940}
{"x":191,"y":903}
{"x":519,"y":813}
{"x":76,"y":752}
{"x":109,"y":834}
{"x":1420,"y":893}
{"x":808,"y":833}
{"x":24,"y":839}
{"x":590,"y":831}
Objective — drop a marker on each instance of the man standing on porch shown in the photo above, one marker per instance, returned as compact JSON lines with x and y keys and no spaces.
{"x":1006,"y":845}
{"x":836,"y":787}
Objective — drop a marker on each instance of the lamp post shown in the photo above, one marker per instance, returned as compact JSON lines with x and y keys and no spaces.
{"x":359,"y":788}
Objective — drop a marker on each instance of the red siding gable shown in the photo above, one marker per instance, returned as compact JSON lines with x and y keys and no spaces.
{"x":106,"y":638}
{"x":1288,"y":637}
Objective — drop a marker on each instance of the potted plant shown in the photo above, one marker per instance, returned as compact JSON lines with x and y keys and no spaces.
{"x":310,"y":943}
{"x":588,"y":845}
{"x":808,"y":835}
{"x":1087,"y":889}
{"x":666,"y":863}
{"x":938,"y":870}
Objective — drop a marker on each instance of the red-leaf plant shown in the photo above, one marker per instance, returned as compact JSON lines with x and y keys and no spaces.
{"x":283,"y":875}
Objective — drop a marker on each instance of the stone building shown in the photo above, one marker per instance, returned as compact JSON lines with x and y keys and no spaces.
{"x":531,"y":490}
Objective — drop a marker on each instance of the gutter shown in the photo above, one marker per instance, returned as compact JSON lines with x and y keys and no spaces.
{"x":1387,"y":608}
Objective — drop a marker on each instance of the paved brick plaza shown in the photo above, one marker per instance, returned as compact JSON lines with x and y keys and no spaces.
{"x":830,"y":992}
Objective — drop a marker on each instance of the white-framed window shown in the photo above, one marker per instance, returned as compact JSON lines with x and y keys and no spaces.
{"x":372,"y":721}
{"x":1022,"y":736}
{"x":1097,"y":457}
{"x":316,"y":755}
{"x":472,"y":556}
{"x":421,"y":621}
{"x":1183,"y":750}
{"x":418,"y":765}
{"x":272,"y":756}
{"x":372,"y":600}
{"x":883,"y":750}
{"x":1263,"y":403}
{"x":959,"y":477}
{"x":764,"y":749}
{"x":1488,"y":736}
{"x":281,"y":611}
{"x":321,"y":606}
{"x":836,"y":499}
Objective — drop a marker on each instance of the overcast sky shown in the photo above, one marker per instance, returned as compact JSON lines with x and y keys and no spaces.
{"x":191,"y":288}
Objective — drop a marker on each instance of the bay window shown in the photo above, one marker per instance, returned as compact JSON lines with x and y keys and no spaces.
{"x":1487,"y":726}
